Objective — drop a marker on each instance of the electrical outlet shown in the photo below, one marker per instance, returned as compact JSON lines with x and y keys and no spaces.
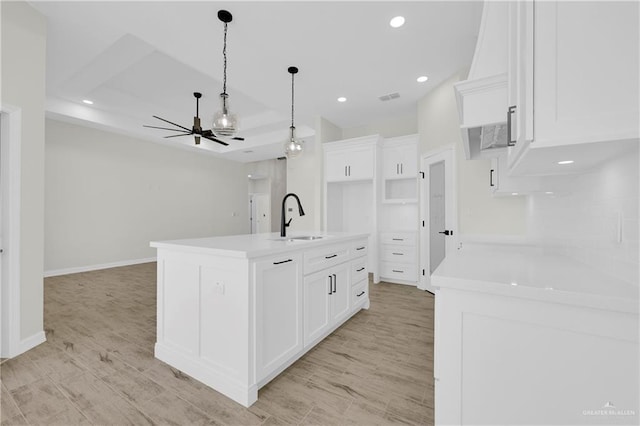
{"x":218,"y":287}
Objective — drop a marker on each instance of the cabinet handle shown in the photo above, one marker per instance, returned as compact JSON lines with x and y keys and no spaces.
{"x":398,"y":254}
{"x":397,"y":239}
{"x":335,"y":279}
{"x":510,"y":112}
{"x":345,"y":170}
{"x":284,"y":261}
{"x":491,"y":177}
{"x":360,"y":294}
{"x":330,"y":284}
{"x":401,"y":171}
{"x":397,"y":168}
{"x":395,"y":270}
{"x":360,"y":248}
{"x":349,"y":170}
{"x":330,"y":257}
{"x":360,"y":270}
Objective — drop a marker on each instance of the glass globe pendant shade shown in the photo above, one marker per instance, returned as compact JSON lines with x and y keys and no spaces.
{"x":224,"y":122}
{"x":293,"y":147}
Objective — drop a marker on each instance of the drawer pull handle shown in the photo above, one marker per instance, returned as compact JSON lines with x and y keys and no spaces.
{"x":358,"y":295}
{"x":395,"y":270}
{"x":360,"y":248}
{"x":284,"y":261}
{"x":397,"y":239}
{"x":330,"y":257}
{"x":398,"y":254}
{"x":360,"y":270}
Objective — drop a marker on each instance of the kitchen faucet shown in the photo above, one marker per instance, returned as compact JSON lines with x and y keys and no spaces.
{"x":283,"y":224}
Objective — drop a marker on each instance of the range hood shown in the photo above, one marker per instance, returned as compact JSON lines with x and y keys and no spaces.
{"x":483,"y":98}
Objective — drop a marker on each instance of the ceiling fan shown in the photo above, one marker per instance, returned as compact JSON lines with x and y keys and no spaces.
{"x":196,"y":130}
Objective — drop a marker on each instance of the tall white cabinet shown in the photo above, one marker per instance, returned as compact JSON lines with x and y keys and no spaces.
{"x":351,"y":169}
{"x":371,"y":185}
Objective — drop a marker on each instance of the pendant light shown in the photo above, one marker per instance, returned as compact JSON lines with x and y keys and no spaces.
{"x":293,"y":147}
{"x":224,"y":122}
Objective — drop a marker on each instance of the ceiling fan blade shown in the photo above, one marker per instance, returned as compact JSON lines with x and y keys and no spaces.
{"x":207,"y":133}
{"x":165,"y":128}
{"x":167,"y":121}
{"x":177,"y":136}
{"x":237,"y":138}
{"x":211,"y":138}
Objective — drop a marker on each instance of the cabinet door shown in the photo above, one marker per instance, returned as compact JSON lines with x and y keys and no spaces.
{"x":360,"y":164}
{"x":585,"y":72}
{"x":317,"y":295}
{"x":279,"y":291}
{"x":335,"y":166}
{"x":341,"y":293}
{"x":391,"y":160}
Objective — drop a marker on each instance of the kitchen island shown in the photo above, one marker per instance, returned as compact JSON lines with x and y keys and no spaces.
{"x":235,"y":311}
{"x":524,"y":335}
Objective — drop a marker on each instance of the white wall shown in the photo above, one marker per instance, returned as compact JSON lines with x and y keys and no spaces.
{"x":108,"y":196}
{"x":478,"y":212}
{"x":23,"y":86}
{"x":397,"y":126}
{"x":274,"y":183}
{"x":584,"y":222}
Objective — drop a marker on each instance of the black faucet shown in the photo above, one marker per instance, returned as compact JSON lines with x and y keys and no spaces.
{"x":283,"y":224}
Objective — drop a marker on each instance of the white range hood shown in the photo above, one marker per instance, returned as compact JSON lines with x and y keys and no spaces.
{"x":483,"y":98}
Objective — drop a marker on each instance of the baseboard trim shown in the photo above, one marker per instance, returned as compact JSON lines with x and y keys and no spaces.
{"x":66,"y":271}
{"x":29,"y":343}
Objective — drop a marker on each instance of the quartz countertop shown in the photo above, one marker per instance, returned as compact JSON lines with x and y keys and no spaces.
{"x":256,"y":245}
{"x":530,"y":272}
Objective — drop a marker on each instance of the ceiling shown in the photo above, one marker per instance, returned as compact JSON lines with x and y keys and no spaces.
{"x":138,"y":59}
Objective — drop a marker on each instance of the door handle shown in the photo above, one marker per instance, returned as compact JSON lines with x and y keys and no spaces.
{"x":446,"y":232}
{"x":491,"y":178}
{"x":510,"y":112}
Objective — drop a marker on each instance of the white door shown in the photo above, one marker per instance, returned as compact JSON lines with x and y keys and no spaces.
{"x":318,"y":288}
{"x":260,"y":213}
{"x":438,"y":234}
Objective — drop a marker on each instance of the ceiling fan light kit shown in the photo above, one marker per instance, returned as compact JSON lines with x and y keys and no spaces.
{"x":293,"y":147}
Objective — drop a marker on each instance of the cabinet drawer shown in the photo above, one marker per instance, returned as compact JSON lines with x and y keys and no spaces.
{"x":361,"y":248}
{"x":324,"y":257}
{"x":359,"y":293}
{"x":400,"y":271}
{"x":398,"y":254}
{"x":359,"y":270}
{"x":399,"y":238}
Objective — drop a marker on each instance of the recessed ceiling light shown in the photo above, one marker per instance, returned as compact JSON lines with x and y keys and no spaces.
{"x":565,"y":162}
{"x":514,"y":193}
{"x":342,"y":99}
{"x":87,"y":101}
{"x":397,"y":22}
{"x":422,"y":79}
{"x":549,"y":193}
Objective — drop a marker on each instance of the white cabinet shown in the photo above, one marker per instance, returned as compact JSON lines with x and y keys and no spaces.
{"x":399,"y":158}
{"x":328,"y":292}
{"x":350,"y":164}
{"x":278,"y":311}
{"x":398,"y":257}
{"x":573,"y":83}
{"x":326,"y":300}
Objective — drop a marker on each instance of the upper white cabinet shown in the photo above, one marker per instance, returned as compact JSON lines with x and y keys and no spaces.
{"x":573,"y":83}
{"x":399,"y":158}
{"x":355,"y":161}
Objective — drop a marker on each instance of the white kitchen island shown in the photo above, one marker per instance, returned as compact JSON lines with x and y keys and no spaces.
{"x":235,"y":311}
{"x":527,"y":336}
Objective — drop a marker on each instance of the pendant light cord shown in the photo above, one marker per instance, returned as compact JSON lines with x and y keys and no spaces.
{"x":292,"y":75}
{"x":224,"y":54}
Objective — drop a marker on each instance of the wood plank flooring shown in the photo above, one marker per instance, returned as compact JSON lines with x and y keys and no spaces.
{"x":97,"y":366}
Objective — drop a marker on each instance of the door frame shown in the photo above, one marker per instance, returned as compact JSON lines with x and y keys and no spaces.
{"x":10,"y":155}
{"x":447,"y":154}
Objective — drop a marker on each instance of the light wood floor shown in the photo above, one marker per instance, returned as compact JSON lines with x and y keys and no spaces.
{"x":97,"y":366}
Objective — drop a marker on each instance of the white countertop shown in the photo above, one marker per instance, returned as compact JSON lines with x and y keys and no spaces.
{"x":255,"y":245}
{"x":529,"y":272}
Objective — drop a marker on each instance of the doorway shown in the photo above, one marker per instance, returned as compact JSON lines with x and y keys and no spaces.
{"x":438,"y":234}
{"x":260,"y":212}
